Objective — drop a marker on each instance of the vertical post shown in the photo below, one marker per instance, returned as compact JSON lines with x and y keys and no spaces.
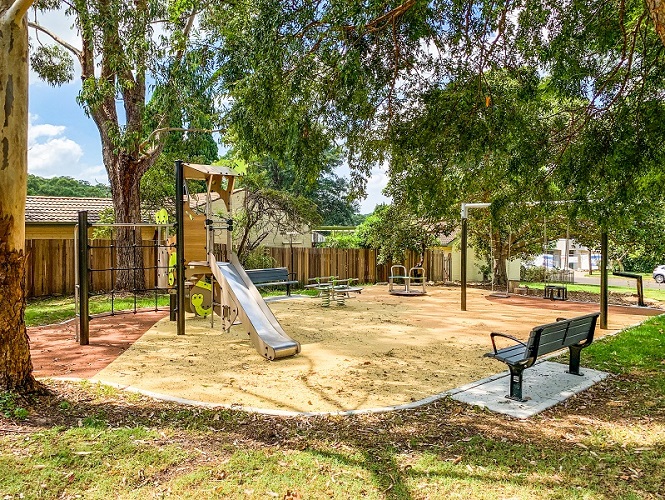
{"x":603,"y":280}
{"x":463,"y":262}
{"x":84,"y":277}
{"x":180,"y":246}
{"x":640,"y":292}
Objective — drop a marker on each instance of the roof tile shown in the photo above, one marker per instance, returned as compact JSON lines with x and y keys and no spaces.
{"x":56,"y":209}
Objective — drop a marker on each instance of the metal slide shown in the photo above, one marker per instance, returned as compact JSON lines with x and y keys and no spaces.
{"x":267,"y":335}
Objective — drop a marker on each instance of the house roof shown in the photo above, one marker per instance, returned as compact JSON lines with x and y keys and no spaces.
{"x":63,"y":210}
{"x":447,"y":240}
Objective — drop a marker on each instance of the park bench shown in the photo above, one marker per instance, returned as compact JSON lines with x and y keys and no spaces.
{"x":272,"y":277}
{"x":575,"y":333}
{"x":640,"y":286}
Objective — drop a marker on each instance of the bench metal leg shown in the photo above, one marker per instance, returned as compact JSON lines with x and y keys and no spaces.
{"x":288,"y":290}
{"x":574,"y":363}
{"x":516,"y":383}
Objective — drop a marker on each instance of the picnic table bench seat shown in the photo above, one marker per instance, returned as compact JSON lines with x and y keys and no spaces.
{"x":574,"y":333}
{"x":274,"y":276}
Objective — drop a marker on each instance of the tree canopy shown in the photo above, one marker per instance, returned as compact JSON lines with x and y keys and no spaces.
{"x":66,"y":186}
{"x":516,"y":100}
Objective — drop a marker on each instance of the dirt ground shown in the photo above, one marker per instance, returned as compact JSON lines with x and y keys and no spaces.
{"x":376,"y":351}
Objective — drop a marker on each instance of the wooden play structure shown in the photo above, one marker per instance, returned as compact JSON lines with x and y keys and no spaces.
{"x":205,"y":284}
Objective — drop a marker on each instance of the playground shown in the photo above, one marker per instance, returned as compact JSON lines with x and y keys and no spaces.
{"x":377,"y":351}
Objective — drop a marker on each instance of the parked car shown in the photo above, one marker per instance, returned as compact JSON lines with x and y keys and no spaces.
{"x":659,"y":274}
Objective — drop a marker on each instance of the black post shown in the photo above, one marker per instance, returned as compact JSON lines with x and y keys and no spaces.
{"x":180,"y":246}
{"x":603,"y":280}
{"x":463,"y":262}
{"x":640,"y":292}
{"x":173,"y":306}
{"x":516,"y":383}
{"x":84,"y":280}
{"x":291,"y":245}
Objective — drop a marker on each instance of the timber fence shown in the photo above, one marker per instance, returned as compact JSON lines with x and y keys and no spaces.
{"x":50,"y":265}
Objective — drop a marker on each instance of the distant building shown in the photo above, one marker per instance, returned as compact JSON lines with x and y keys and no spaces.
{"x":56,"y":217}
{"x":568,"y":254}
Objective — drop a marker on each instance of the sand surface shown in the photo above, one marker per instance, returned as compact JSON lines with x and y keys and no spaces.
{"x":378,"y":350}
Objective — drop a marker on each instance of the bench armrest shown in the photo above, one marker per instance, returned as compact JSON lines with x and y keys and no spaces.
{"x":506,"y":336}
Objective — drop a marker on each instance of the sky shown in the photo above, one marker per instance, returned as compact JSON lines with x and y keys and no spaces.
{"x":63,"y":141}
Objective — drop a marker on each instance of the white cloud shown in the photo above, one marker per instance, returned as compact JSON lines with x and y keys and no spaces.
{"x":45,"y":130}
{"x":53,"y":156}
{"x":51,"y":153}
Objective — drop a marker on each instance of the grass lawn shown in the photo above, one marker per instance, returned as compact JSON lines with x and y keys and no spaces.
{"x":50,"y":310}
{"x":649,"y":293}
{"x":95,"y":442}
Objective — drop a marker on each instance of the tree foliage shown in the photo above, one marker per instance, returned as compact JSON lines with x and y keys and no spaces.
{"x":65,"y":186}
{"x":393,"y":230}
{"x":268,"y":211}
{"x":504,"y":102}
{"x":330,"y":193}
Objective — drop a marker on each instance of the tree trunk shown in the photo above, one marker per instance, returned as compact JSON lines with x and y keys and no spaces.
{"x":499,"y":251}
{"x":124,"y":174}
{"x":657,"y":9}
{"x":15,"y":362}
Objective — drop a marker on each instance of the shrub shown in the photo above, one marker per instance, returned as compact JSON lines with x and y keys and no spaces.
{"x":258,"y":259}
{"x":534,"y":274}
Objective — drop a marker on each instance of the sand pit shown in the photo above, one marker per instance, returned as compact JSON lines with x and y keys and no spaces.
{"x":378,"y":350}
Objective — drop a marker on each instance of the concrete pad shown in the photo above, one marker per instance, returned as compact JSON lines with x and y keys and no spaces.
{"x":544,"y":385}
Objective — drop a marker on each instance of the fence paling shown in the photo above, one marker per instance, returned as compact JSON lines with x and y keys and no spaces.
{"x":50,"y":265}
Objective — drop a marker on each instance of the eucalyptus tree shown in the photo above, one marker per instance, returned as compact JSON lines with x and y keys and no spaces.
{"x":15,"y":363}
{"x":128,"y":53}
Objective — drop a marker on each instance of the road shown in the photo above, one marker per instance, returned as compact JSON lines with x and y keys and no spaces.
{"x":647,"y":281}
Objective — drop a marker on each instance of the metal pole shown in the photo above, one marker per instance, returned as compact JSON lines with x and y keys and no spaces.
{"x":83,"y":270}
{"x":603,"y":280}
{"x":463,"y":262}
{"x":465,"y":215}
{"x":180,"y":246}
{"x":291,"y":245}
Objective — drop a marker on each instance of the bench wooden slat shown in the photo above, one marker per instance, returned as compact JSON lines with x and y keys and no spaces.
{"x":275,"y":283}
{"x":275,"y":276}
{"x":511,"y":354}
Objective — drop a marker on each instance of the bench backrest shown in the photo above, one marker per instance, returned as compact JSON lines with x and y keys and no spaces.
{"x":269,"y":275}
{"x":548,"y":338}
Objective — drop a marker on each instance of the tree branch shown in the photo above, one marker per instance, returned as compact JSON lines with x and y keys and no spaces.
{"x":18,"y":9}
{"x":78,"y":53}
